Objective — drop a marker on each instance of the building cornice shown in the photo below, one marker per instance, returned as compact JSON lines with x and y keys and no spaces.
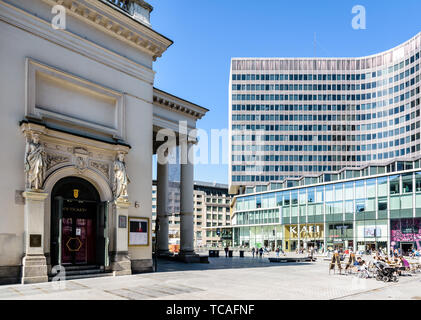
{"x":116,"y":24}
{"x":173,"y":103}
{"x":66,"y":39}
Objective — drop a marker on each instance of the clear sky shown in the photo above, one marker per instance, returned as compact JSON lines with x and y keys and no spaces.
{"x":208,"y":33}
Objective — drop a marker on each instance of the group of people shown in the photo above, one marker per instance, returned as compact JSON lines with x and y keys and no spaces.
{"x":258,"y":252}
{"x":360,"y":265}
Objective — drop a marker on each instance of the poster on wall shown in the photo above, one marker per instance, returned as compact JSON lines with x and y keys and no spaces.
{"x":138,"y":231}
{"x":372,"y":232}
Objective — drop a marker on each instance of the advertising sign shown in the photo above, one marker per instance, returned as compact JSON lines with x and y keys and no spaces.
{"x":138,"y":231}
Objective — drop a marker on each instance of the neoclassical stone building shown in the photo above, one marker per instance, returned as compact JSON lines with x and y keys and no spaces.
{"x":79,"y":118}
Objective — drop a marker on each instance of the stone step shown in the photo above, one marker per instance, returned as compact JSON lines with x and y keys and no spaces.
{"x":82,"y":267}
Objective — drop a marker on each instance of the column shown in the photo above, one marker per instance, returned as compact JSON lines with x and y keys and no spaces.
{"x":162,"y":209}
{"x":186,"y":206}
{"x":119,"y":257}
{"x":34,"y":264}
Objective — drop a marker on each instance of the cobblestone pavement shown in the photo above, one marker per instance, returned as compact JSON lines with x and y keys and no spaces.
{"x":221,"y":279}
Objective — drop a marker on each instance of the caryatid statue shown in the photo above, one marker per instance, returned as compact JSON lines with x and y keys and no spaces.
{"x":35,"y":163}
{"x":121,"y":180}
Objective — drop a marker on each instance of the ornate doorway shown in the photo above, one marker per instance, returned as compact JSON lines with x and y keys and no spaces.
{"x":78,"y":224}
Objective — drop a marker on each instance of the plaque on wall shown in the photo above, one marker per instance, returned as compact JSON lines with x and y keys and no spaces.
{"x":35,"y":240}
{"x":138,"y":231}
{"x":122,"y":222}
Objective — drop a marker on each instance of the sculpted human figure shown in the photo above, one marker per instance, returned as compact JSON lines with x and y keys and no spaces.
{"x":35,"y":163}
{"x":121,"y":180}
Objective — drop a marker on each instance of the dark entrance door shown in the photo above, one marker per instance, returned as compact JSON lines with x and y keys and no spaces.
{"x":406,"y":248}
{"x":78,"y":232}
{"x":78,"y":224}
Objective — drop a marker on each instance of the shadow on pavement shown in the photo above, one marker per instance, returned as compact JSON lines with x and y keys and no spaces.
{"x":165,"y":265}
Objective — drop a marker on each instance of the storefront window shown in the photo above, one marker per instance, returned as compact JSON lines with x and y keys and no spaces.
{"x":319,"y":194}
{"x":349,"y":191}
{"x":405,"y":234}
{"x":311,"y":195}
{"x":382,"y":204}
{"x":303,"y":196}
{"x":258,"y":202}
{"x":371,"y":188}
{"x":279,"y":198}
{"x":370,"y":204}
{"x":311,"y":210}
{"x":418,"y":181}
{"x":407,"y":183}
{"x":329,"y":193}
{"x":406,"y":202}
{"x":382,"y":187}
{"x":395,"y":203}
{"x":339,"y":188}
{"x":294,"y":197}
{"x":360,"y":189}
{"x":285,"y":213}
{"x":394,"y":184}
{"x":319,"y":209}
{"x":359,"y":206}
{"x":303,"y":211}
{"x":294,"y":211}
{"x":252,"y":216}
{"x":287,"y":198}
{"x":349,"y":206}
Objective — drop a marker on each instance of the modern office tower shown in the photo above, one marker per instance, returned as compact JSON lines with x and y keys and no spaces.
{"x":291,"y":117}
{"x":212,"y":222}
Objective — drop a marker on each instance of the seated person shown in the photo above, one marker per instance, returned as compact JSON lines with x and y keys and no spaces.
{"x":363,"y":269}
{"x":359,"y":262}
{"x":405,"y":264}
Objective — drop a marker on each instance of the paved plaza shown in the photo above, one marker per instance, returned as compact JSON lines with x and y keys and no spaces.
{"x":222,"y":279}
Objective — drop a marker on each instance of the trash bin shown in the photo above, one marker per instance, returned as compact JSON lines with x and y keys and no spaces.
{"x":217,"y":253}
{"x":211,"y":253}
{"x":241,"y":253}
{"x":230,"y":253}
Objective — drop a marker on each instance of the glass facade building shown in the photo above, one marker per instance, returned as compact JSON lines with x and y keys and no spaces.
{"x":377,"y":211}
{"x":291,"y":117}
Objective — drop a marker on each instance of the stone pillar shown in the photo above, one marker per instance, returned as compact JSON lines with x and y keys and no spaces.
{"x":119,"y":258}
{"x":34,"y":264}
{"x":162,"y":209}
{"x":187,"y":253}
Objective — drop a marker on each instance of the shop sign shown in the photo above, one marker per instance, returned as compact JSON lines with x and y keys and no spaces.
{"x":306,"y":231}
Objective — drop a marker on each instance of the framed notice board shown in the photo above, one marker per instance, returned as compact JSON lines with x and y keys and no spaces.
{"x":138,"y":231}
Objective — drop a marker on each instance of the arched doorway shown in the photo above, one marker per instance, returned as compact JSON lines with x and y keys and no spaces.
{"x":78,"y":224}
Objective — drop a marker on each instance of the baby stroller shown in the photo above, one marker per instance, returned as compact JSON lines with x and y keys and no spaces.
{"x":384,"y":272}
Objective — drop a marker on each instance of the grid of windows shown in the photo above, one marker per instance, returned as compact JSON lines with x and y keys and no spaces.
{"x":294,"y":117}
{"x":381,"y":212}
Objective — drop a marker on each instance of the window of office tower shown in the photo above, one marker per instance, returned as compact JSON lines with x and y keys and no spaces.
{"x":291,"y":117}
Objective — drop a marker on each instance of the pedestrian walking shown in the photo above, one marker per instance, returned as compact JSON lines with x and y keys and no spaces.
{"x":226,"y":251}
{"x":260,"y":252}
{"x":253,"y":251}
{"x":277,"y":252}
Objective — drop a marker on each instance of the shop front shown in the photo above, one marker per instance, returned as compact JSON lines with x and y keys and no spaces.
{"x":267,"y":236}
{"x":371,"y":235}
{"x":340,"y":236}
{"x":405,"y":234}
{"x":303,"y":236}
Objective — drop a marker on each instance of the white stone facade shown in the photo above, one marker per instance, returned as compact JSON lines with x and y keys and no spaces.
{"x":87,"y":92}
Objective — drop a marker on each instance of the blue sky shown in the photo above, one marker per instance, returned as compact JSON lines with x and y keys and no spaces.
{"x":208,"y":33}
